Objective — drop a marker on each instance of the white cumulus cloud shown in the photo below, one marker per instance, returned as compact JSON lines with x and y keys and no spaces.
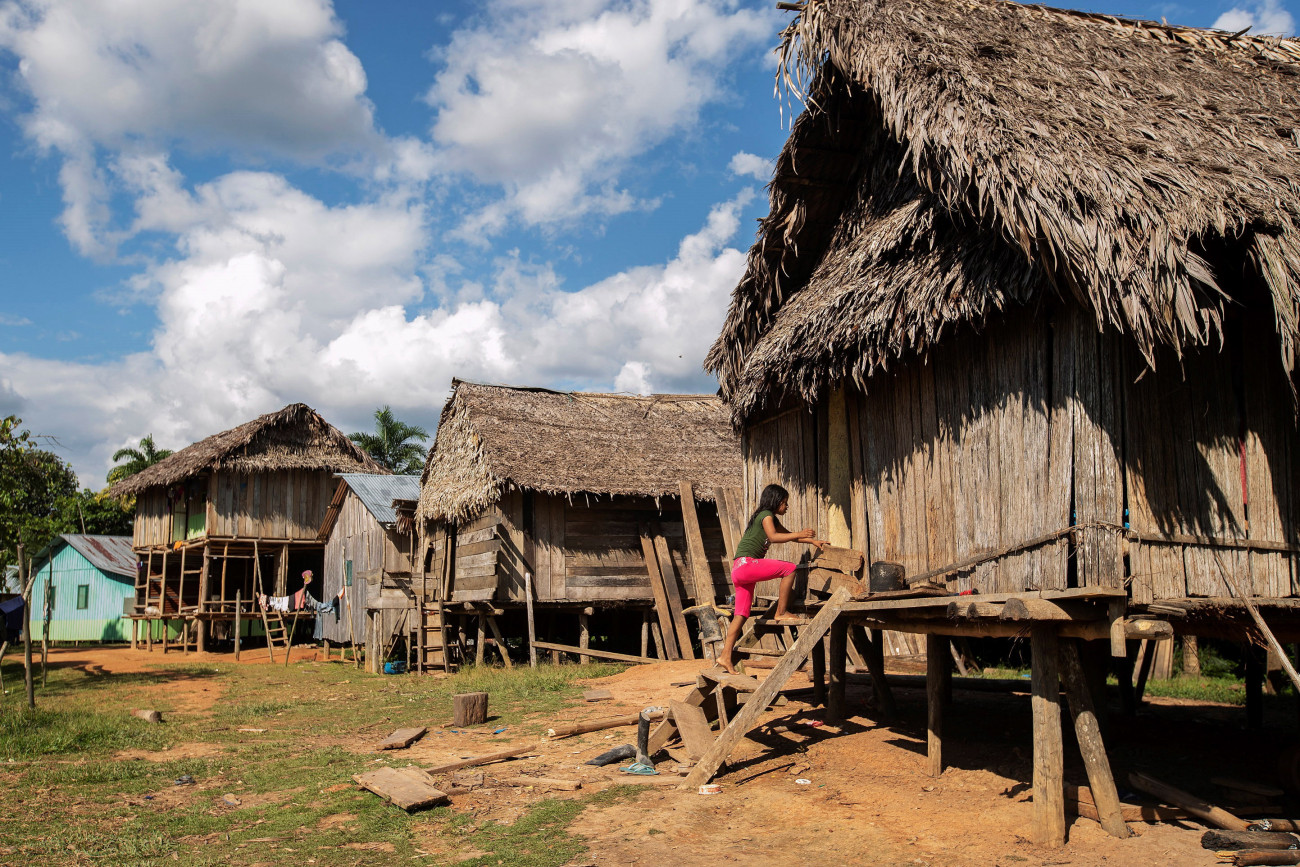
{"x":1266,"y":18}
{"x":751,"y":166}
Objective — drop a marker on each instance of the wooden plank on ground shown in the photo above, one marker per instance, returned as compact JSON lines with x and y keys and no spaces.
{"x":590,"y":651}
{"x":660,"y":593}
{"x":699,"y":561}
{"x":408,"y":788}
{"x":694,"y":728}
{"x":766,"y":692}
{"x":402,"y":738}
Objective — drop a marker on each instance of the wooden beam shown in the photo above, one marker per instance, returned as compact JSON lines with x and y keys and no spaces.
{"x":699,"y":561}
{"x":1049,"y":769}
{"x":938,"y":686}
{"x":672,"y":592}
{"x":501,"y":642}
{"x":810,"y":636}
{"x":1088,"y":733}
{"x":532,"y":628}
{"x":658,"y":588}
{"x":1201,"y":809}
{"x":838,"y":647}
{"x":599,"y":654}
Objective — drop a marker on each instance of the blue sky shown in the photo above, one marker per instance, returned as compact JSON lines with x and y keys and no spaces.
{"x":210,"y":210}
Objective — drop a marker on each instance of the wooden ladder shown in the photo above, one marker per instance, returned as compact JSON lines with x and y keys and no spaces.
{"x":279,"y":631}
{"x":428,"y":635}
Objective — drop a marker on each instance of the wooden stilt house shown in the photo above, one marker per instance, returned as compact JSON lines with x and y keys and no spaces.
{"x":235,"y":515}
{"x":369,"y":557}
{"x":568,"y":492}
{"x":1023,"y":318}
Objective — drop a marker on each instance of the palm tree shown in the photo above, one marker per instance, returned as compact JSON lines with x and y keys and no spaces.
{"x":136,"y":459}
{"x":391,"y":444}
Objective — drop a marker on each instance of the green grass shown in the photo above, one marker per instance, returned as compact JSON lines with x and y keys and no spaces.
{"x":69,"y":800}
{"x":1224,"y":688}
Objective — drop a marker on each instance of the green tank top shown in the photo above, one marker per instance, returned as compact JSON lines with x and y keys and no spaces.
{"x":754,"y":542}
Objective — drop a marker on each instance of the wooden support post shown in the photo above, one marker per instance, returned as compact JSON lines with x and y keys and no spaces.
{"x":645,"y":633}
{"x":1088,"y":733}
{"x":1147,"y":651}
{"x":1191,"y":656}
{"x":819,"y":673}
{"x":766,"y":693}
{"x":1049,"y":770}
{"x":838,"y":648}
{"x":501,"y":642}
{"x":1124,"y":675}
{"x":1254,"y":687}
{"x":480,"y":638}
{"x":1115,"y":614}
{"x":238,"y":621}
{"x":673,"y":592}
{"x":204,"y":580}
{"x":25,"y":580}
{"x":875,"y":654}
{"x":699,"y":561}
{"x":938,"y":684}
{"x":532,"y":627}
{"x":658,"y":634}
{"x":135,"y":633}
{"x":584,"y":635}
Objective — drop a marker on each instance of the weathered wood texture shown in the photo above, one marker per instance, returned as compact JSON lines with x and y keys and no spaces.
{"x":285,"y":504}
{"x":357,"y":538}
{"x":469,"y":708}
{"x":408,"y":788}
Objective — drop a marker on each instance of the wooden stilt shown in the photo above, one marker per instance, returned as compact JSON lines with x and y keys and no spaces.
{"x":584,"y":635}
{"x":938,"y":683}
{"x":135,"y":633}
{"x":1088,"y":733}
{"x":1049,"y":771}
{"x":239,"y":626}
{"x":1148,"y":654}
{"x":657,"y":631}
{"x":875,"y":656}
{"x":501,"y":642}
{"x":838,"y":648}
{"x":480,"y":638}
{"x":819,"y":673}
{"x":645,"y":633}
{"x":532,"y":628}
{"x":1124,"y":674}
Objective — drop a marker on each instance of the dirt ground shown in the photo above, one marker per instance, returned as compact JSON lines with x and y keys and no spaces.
{"x":868,"y":800}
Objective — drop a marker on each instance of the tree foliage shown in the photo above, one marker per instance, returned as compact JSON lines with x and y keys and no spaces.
{"x":136,"y":459}
{"x":39,"y":498}
{"x":392,"y":443}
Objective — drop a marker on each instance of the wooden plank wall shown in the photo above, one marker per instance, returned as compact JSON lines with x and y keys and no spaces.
{"x":1219,"y":462}
{"x":358,"y":537}
{"x":153,"y":519}
{"x":286,"y":504}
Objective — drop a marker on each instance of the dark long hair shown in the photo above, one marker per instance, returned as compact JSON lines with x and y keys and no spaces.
{"x":771,"y":498}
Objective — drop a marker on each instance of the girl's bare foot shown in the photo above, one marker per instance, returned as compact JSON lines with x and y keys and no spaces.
{"x":786,"y":616}
{"x":727,"y":665}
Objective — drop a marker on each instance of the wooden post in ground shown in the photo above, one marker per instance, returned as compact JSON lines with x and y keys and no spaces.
{"x":1049,"y":770}
{"x":658,"y":634}
{"x":45,"y":621}
{"x":584,"y":634}
{"x":135,"y":633}
{"x":1191,"y":656}
{"x":1254,"y":687}
{"x":24,"y":570}
{"x":938,"y":684}
{"x":838,"y":648}
{"x":239,"y":622}
{"x":480,"y":639}
{"x":532,"y":627}
{"x":500,"y":641}
{"x":645,"y":633}
{"x":819,"y":673}
{"x":1088,"y":733}
{"x":659,"y":589}
{"x":1147,"y":652}
{"x":875,"y":655}
{"x":201,"y":623}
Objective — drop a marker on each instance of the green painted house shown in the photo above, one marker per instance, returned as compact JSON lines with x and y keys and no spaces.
{"x":90,"y":578}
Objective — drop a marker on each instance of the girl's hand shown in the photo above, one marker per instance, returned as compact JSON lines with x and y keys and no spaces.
{"x":807,"y":533}
{"x":819,"y":543}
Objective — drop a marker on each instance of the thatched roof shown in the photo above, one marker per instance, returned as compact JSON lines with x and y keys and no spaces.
{"x":492,"y":436}
{"x":295,"y":438}
{"x":960,"y":156}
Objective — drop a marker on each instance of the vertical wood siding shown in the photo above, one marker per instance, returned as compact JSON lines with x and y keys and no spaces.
{"x":101,"y":620}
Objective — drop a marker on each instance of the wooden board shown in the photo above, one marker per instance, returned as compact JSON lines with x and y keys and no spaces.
{"x":699,"y":561}
{"x":402,"y":738}
{"x":408,"y":788}
{"x":673,"y":593}
{"x":662,"y":611}
{"x":694,"y":728}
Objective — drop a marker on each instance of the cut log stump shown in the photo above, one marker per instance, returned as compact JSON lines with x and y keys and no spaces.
{"x":469,"y":708}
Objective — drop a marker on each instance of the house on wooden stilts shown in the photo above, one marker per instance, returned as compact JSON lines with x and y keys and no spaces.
{"x":368,"y":555}
{"x":233,"y":516}
{"x":1023,"y":318}
{"x":580,"y":497}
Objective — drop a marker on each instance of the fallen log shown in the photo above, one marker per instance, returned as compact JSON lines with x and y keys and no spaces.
{"x":1197,"y":807}
{"x":1274,"y":825}
{"x":1263,"y":857}
{"x":597,"y":725}
{"x":512,"y":753}
{"x":1217,"y":840}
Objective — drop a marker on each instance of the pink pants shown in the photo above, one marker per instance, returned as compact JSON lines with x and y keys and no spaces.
{"x":748,"y":571}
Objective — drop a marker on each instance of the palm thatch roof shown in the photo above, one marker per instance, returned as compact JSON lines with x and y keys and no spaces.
{"x":960,"y":156}
{"x":294,"y":438}
{"x":491,"y":437}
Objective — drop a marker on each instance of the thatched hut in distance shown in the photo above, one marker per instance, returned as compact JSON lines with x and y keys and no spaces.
{"x":236,"y":514}
{"x":369,"y":557}
{"x":563,"y":486}
{"x":1024,"y":318}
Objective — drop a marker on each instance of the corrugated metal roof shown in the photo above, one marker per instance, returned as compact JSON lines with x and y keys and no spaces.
{"x":106,"y":553}
{"x":378,"y":492}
